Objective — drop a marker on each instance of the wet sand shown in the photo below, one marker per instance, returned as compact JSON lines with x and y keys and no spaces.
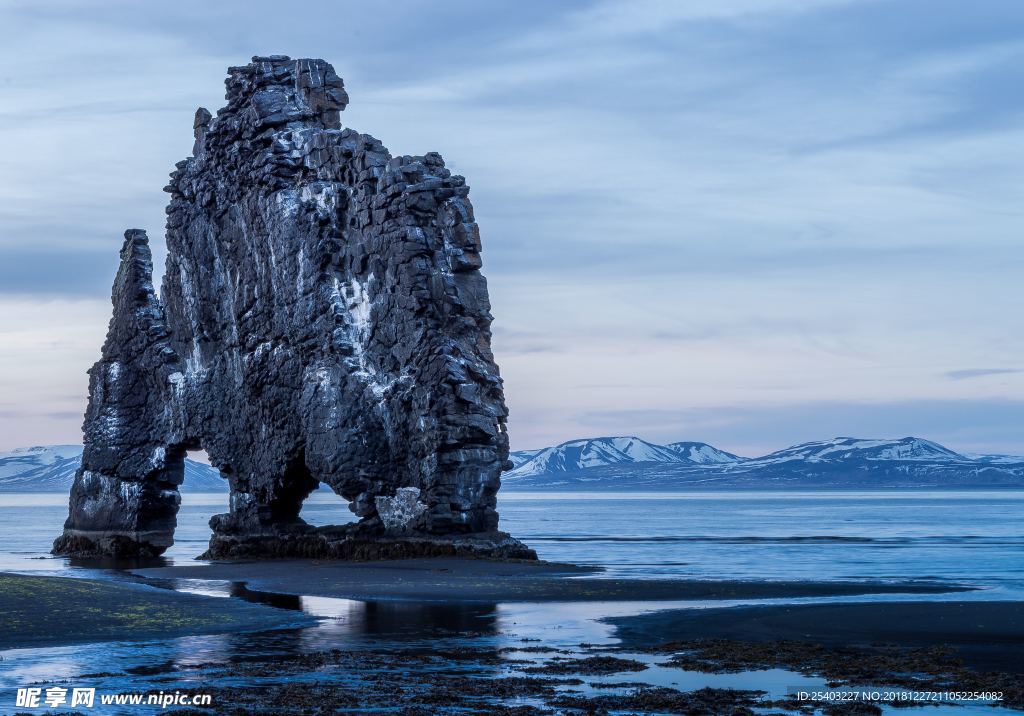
{"x":474,"y":673}
{"x":45,"y":611}
{"x":469,"y":580}
{"x":986,"y":635}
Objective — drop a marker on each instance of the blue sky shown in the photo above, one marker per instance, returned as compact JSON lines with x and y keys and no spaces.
{"x":752,"y":222}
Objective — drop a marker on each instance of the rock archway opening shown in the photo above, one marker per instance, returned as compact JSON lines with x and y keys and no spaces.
{"x":204,"y":493}
{"x":325,"y":507}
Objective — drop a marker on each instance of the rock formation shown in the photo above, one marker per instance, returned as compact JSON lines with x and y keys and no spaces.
{"x":322,"y":319}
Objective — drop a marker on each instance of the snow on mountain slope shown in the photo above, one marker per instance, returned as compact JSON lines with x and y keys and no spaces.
{"x":583,"y":454}
{"x":518,"y":457}
{"x":703,"y":454}
{"x":633,"y":464}
{"x":39,"y":468}
{"x":44,"y":454}
{"x":995,"y":459}
{"x":595,"y":452}
{"x":51,"y":468}
{"x":846,"y":449}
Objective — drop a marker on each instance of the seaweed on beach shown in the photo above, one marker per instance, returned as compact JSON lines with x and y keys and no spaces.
{"x":591,"y":665}
{"x":927,"y":668}
{"x":660,"y":699}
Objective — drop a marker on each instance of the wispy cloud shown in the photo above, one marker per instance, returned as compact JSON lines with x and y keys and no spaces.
{"x":77,"y":271}
{"x":683,"y":204}
{"x":979,"y":372}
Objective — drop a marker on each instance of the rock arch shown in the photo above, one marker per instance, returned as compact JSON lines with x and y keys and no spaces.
{"x":322,"y":318}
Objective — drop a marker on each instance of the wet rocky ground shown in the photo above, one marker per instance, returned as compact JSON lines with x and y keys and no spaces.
{"x":527,"y":679}
{"x":40,"y":611}
{"x":929,"y":669}
{"x":328,"y":655}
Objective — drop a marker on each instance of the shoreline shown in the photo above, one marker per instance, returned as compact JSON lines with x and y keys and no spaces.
{"x":53,"y":611}
{"x":985,"y":635}
{"x":475,"y":580}
{"x":835,"y":642}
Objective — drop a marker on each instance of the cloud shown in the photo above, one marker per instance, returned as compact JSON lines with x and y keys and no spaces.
{"x":524,"y":341}
{"x":645,"y":18}
{"x":696,"y":204}
{"x":59,"y":415}
{"x":30,"y":270}
{"x":979,"y":372}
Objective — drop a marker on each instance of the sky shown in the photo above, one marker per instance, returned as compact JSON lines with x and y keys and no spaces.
{"x":749,"y":222}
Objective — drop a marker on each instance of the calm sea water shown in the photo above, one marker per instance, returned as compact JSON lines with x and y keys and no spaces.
{"x":975,"y":538}
{"x":971,"y":537}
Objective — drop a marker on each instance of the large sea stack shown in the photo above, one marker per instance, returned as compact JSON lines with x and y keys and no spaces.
{"x":322,"y":319}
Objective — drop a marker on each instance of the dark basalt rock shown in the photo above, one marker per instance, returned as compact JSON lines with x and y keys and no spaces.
{"x":322,"y":319}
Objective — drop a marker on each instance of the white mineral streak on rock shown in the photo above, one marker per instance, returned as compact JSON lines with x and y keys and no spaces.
{"x":288,"y":201}
{"x":356,"y":301}
{"x":329,"y":394}
{"x":239,"y":500}
{"x":129,"y":493}
{"x":323,"y":197}
{"x":159,"y":457}
{"x":193,"y":363}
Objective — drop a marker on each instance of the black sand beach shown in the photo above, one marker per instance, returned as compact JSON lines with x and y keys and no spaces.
{"x":957,"y":644}
{"x":49,"y":611}
{"x":987,"y":635}
{"x":924,"y":647}
{"x":467,"y":580}
{"x":916,"y":644}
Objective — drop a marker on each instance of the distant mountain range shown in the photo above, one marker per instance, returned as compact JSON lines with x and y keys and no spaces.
{"x":577,"y":455}
{"x":629,"y":463}
{"x":51,"y":468}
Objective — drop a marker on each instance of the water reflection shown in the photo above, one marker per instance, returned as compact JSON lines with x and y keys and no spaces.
{"x":388,"y":619}
{"x":375,"y":628}
{"x":394,"y":618}
{"x":118,"y":564}
{"x":280,"y":601}
{"x":466,"y":639}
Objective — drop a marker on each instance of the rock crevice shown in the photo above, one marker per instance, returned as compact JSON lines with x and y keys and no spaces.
{"x":322,"y":319}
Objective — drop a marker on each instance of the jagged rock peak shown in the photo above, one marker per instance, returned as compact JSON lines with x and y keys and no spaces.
{"x":276,"y":89}
{"x":134,"y":280}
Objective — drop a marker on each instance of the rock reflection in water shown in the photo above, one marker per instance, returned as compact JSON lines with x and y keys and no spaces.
{"x":386,"y":619}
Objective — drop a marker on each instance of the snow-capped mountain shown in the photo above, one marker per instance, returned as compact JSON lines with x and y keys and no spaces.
{"x":44,"y":468}
{"x":518,"y":457}
{"x":844,"y":462}
{"x":594,"y":452}
{"x":702,"y":453}
{"x":847,"y":449}
{"x":993,"y":459}
{"x":51,"y":468}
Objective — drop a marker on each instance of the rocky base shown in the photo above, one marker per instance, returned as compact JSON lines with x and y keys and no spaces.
{"x":105,"y":544}
{"x":316,"y":543}
{"x":350,"y":544}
